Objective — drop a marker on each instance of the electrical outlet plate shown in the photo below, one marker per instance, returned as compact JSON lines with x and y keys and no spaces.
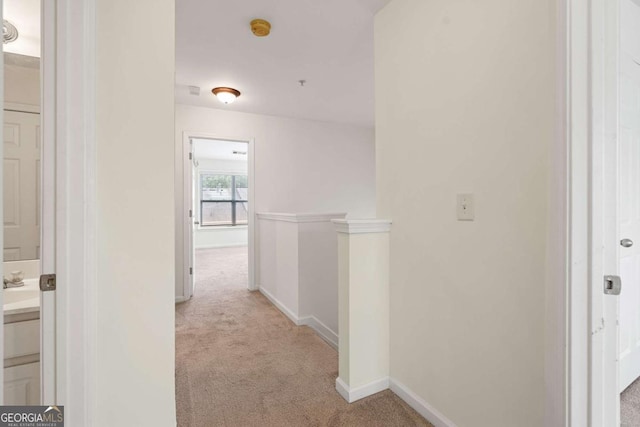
{"x":465,"y":207}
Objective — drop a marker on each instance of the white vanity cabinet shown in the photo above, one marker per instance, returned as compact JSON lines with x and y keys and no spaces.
{"x":22,"y":384}
{"x":22,"y":361}
{"x":22,"y":345}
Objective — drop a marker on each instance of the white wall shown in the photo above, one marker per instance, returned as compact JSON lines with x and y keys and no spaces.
{"x":134,"y":378}
{"x":298,"y":268}
{"x":318,"y":275}
{"x":219,"y":237}
{"x":301,"y":165}
{"x":22,"y":85}
{"x":465,"y":104}
{"x":279,"y":268}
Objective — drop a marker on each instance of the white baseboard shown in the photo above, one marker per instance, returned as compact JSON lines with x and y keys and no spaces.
{"x":219,"y":246}
{"x":321,"y":329}
{"x":352,"y":394}
{"x":430,"y":413}
{"x":181,"y":299}
{"x":280,"y":306}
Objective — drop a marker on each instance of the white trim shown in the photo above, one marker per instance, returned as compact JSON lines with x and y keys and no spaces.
{"x":362,"y":226}
{"x":68,"y":107}
{"x":186,"y":222}
{"x":603,"y":245}
{"x":321,"y":329}
{"x":232,"y":245}
{"x":49,"y":122}
{"x":576,"y":314}
{"x":181,"y":299}
{"x":430,"y":413}
{"x":300,"y":217}
{"x":214,"y":228}
{"x":2,"y":95}
{"x":585,"y":320}
{"x":187,"y":205}
{"x":25,"y":108}
{"x":207,"y":228}
{"x":353,"y":394}
{"x":318,"y":327}
{"x":280,"y":306}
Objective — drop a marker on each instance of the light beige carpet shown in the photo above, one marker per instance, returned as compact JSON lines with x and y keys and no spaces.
{"x":240,"y":362}
{"x":630,"y":405}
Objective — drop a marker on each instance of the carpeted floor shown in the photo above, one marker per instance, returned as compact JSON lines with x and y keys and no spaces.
{"x":630,"y":406}
{"x":240,"y":362}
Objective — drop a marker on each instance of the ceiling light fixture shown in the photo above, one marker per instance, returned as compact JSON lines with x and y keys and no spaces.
{"x":226,"y":94}
{"x":9,"y":32}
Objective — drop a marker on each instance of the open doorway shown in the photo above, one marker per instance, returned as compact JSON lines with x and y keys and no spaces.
{"x":220,"y":214}
{"x":22,"y":207}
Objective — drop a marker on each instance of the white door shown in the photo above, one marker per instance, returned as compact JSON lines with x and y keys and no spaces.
{"x":629,"y":193}
{"x":21,"y":185}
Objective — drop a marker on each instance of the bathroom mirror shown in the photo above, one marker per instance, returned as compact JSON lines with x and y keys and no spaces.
{"x":21,"y":145}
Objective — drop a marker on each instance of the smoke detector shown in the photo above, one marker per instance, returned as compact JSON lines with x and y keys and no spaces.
{"x":260,"y":27}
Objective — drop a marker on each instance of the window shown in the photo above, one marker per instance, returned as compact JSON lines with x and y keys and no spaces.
{"x":223,"y":200}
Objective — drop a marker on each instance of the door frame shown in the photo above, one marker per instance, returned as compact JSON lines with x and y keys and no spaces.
{"x":590,"y":124}
{"x":68,"y":113}
{"x":187,"y":204}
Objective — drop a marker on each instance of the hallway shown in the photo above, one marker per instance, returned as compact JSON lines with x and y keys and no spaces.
{"x":240,"y":362}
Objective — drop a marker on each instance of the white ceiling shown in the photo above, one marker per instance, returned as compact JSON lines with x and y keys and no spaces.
{"x":25,"y":16}
{"x":328,"y":43}
{"x":217,"y":149}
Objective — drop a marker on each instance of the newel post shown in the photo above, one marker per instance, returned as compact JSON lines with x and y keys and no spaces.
{"x":363,"y":307}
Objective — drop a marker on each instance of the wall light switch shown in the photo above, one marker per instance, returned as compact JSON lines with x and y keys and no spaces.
{"x":465,"y":207}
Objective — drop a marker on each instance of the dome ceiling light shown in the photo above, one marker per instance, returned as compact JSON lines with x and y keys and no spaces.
{"x":226,"y":95}
{"x":9,"y":32}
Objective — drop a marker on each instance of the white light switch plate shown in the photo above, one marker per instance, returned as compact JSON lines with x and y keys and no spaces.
{"x":465,"y":207}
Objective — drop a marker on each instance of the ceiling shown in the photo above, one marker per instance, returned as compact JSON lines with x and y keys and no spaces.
{"x":25,"y":16}
{"x":328,"y":43}
{"x":217,"y":149}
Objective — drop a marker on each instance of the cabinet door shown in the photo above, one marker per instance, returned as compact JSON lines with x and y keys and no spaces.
{"x":22,"y":384}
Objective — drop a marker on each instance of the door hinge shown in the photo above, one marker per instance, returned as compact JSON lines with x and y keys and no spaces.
{"x":190,"y":213}
{"x":191,"y":270}
{"x":48,"y":282}
{"x":190,"y":156}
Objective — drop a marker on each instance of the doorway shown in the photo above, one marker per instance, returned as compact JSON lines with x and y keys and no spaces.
{"x":22,"y":201}
{"x":218,"y":176}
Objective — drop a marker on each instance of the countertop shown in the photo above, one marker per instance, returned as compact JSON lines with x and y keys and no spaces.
{"x":25,"y":299}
